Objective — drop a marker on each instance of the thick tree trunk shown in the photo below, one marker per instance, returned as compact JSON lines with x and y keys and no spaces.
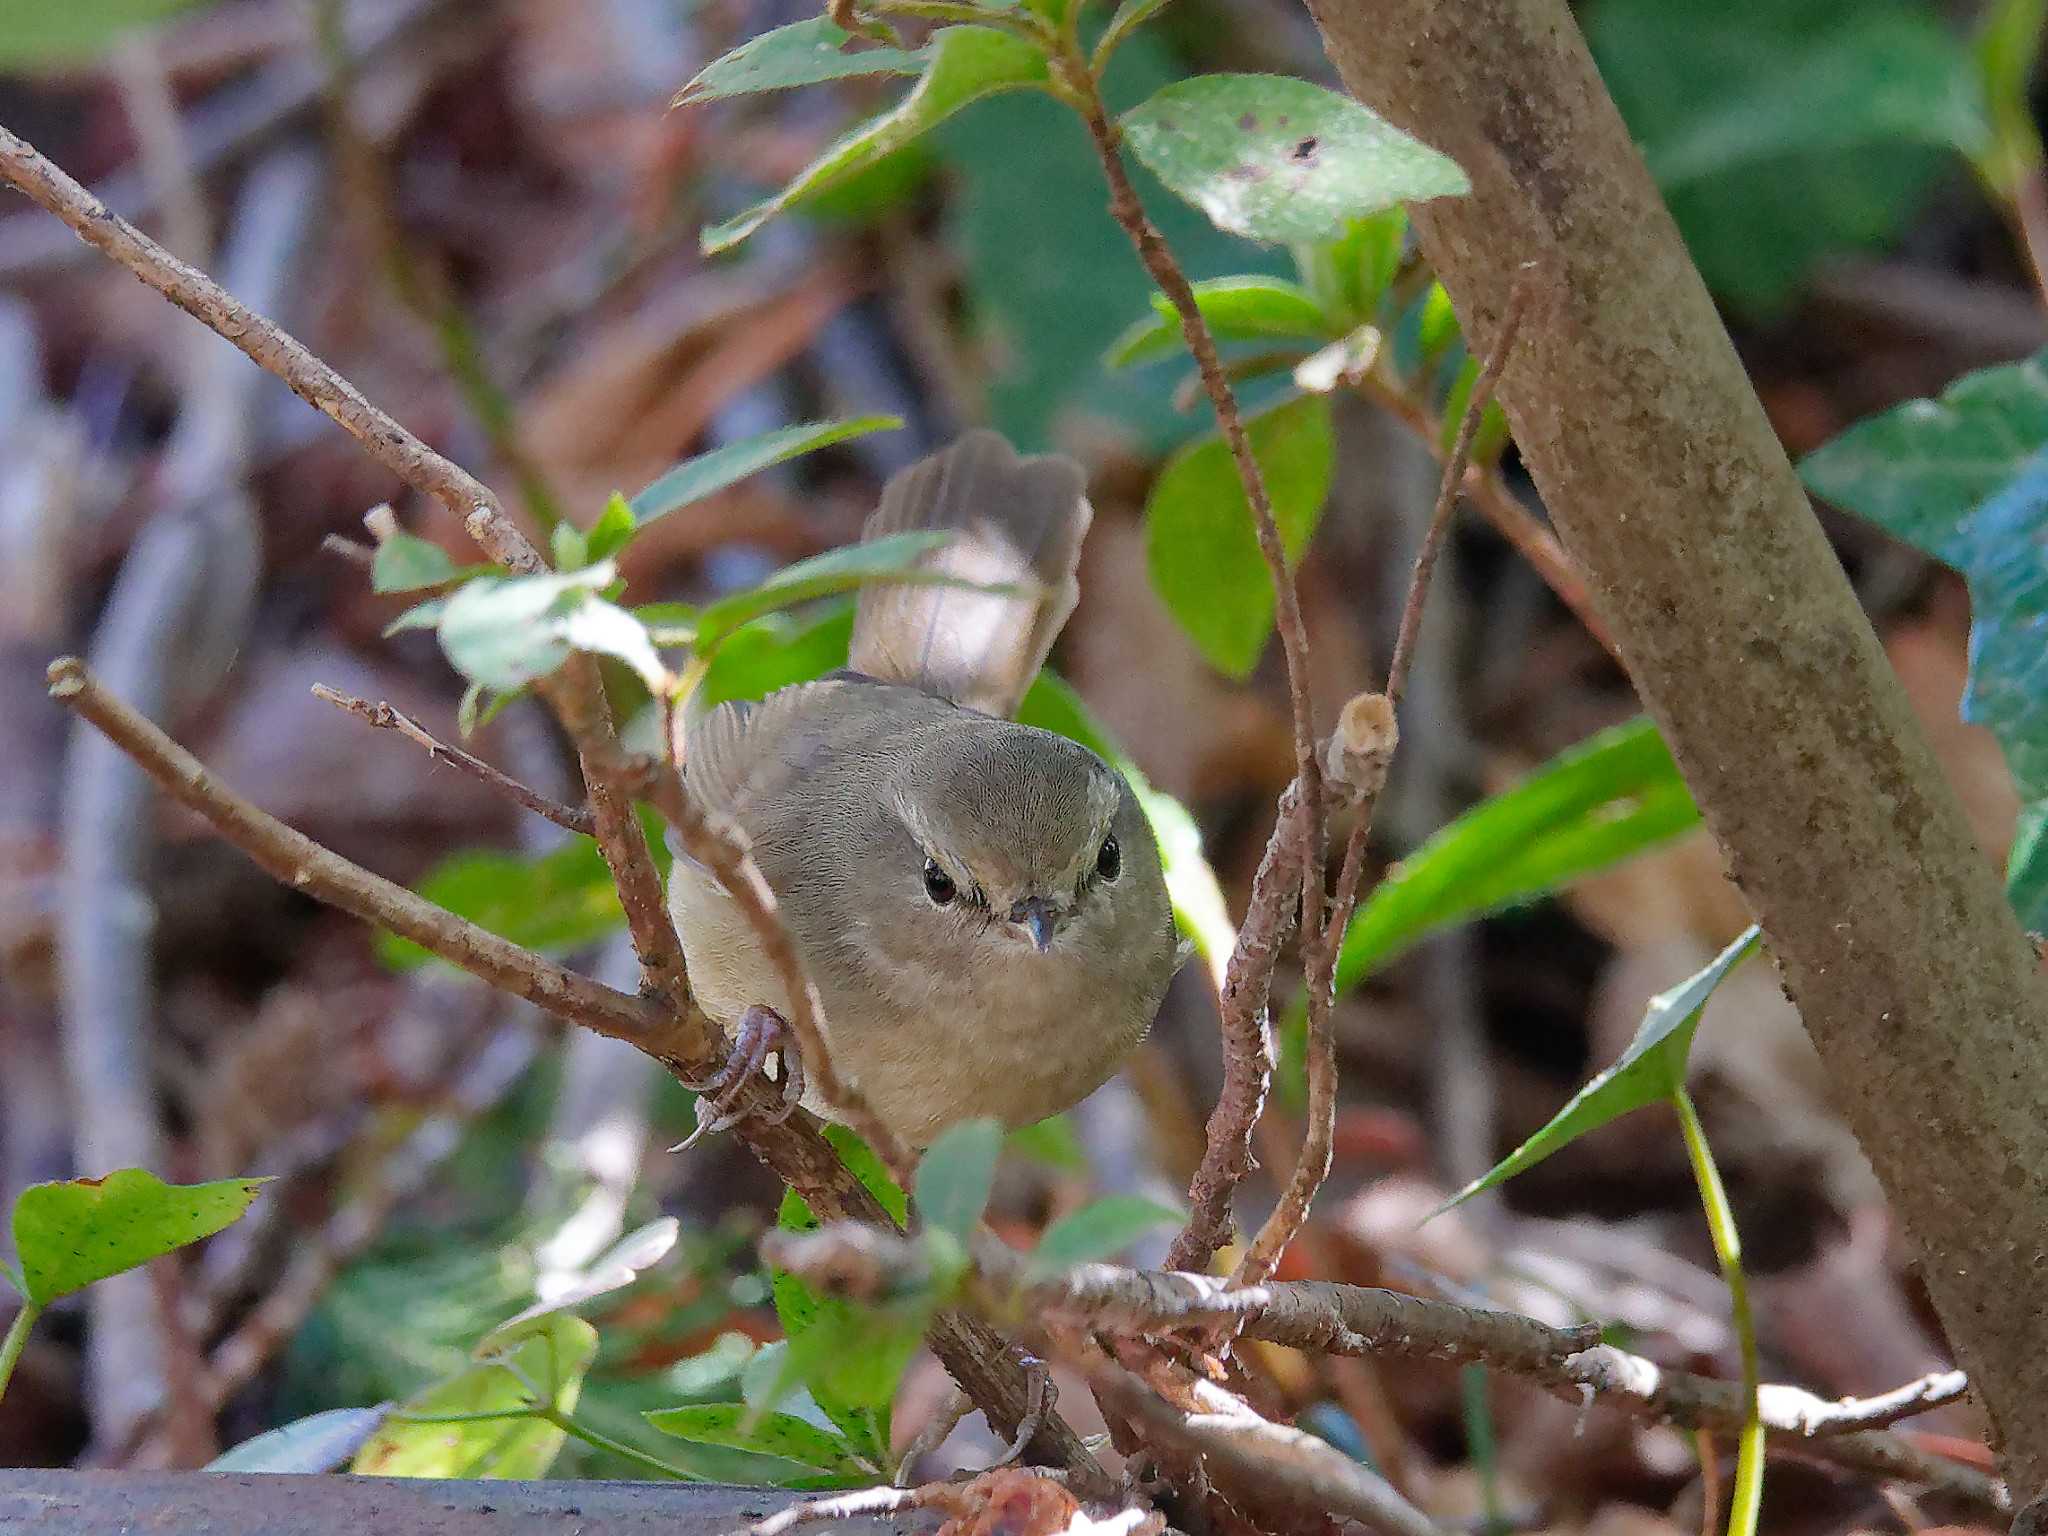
{"x":1669,"y":487}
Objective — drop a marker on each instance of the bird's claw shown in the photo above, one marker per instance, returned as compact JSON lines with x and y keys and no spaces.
{"x":1040,"y":1397}
{"x":760,"y":1034}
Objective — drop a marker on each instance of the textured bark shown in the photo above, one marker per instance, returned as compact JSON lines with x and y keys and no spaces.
{"x":1635,"y":417}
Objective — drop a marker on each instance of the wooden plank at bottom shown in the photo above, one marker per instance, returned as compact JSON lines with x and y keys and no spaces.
{"x":58,"y":1503}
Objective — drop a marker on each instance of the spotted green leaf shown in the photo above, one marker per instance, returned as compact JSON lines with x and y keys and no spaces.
{"x":71,"y":1233}
{"x":1281,"y":160}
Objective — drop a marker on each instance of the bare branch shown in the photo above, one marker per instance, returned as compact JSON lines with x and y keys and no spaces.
{"x":384,"y":717}
{"x":304,"y":865}
{"x":1165,"y":271}
{"x":1247,"y":1044}
{"x":1324,"y":1317}
{"x":1322,"y":945}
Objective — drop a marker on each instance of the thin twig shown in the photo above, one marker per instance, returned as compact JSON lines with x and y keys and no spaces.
{"x":1322,"y":946}
{"x":1242,"y":1450}
{"x":304,"y":865}
{"x":1328,"y":1318}
{"x":574,"y":692}
{"x":1165,"y":271}
{"x":384,"y":717}
{"x":1247,"y":1046}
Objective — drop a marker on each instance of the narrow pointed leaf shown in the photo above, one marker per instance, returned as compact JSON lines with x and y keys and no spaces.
{"x":1281,"y":160}
{"x":845,"y":569}
{"x":1651,"y":1070}
{"x":1237,"y":309}
{"x":775,"y":1434}
{"x":802,"y":53}
{"x":968,"y":63}
{"x":320,"y":1442}
{"x":1601,"y":802}
{"x":709,"y":473}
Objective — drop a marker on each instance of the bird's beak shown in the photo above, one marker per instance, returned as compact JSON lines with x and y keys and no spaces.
{"x":1035,"y":915}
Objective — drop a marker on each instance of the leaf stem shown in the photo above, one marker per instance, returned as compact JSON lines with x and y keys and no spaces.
{"x":17,"y":1336}
{"x":619,"y":1448}
{"x":1747,"y":1496}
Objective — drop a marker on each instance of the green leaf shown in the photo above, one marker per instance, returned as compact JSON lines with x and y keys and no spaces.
{"x":1099,"y":1231}
{"x":425,"y":615}
{"x":1199,"y":907}
{"x":1123,"y":21}
{"x":853,"y":1393}
{"x":1281,"y":160}
{"x":967,"y":64}
{"x":1237,"y":309}
{"x":802,"y":53}
{"x":709,"y":473}
{"x":320,"y":1442}
{"x":38,"y":32}
{"x":776,"y":1434}
{"x":570,"y":549}
{"x":405,"y":563}
{"x":956,"y":1174}
{"x":845,"y":569}
{"x":613,"y":530}
{"x":1965,"y":478}
{"x":1602,"y":801}
{"x":1791,"y":130}
{"x":1349,"y":276}
{"x":2026,"y":868}
{"x":1200,"y":544}
{"x":773,"y":652}
{"x":69,"y":1234}
{"x":552,"y":1353}
{"x":506,"y":632}
{"x":1650,"y":1070}
{"x":554,"y":903}
{"x":1051,"y":1142}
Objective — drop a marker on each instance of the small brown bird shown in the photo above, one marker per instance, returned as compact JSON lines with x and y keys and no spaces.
{"x":979,"y":904}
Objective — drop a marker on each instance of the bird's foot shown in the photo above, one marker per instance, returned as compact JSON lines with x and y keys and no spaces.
{"x":1040,"y":1398}
{"x":760,"y":1034}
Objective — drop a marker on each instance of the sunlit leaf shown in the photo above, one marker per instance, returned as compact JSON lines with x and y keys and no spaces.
{"x":1200,"y":543}
{"x":1236,"y":308}
{"x":1652,"y":1069}
{"x":802,"y":53}
{"x":406,"y":562}
{"x":1602,"y":801}
{"x":613,"y":530}
{"x":1098,"y":1231}
{"x":955,"y":1175}
{"x":1282,"y":160}
{"x":320,"y":1442}
{"x":548,"y":1355}
{"x":506,"y":632}
{"x":614,"y":1269}
{"x":709,"y":473}
{"x":968,"y":63}
{"x":71,"y":1233}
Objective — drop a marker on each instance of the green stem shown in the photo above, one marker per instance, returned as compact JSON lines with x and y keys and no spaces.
{"x":619,"y":1448}
{"x":17,"y":1336}
{"x":1747,"y":1497}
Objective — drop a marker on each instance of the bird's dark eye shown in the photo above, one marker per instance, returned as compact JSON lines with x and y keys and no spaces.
{"x":938,"y":884}
{"x":1109,"y":863}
